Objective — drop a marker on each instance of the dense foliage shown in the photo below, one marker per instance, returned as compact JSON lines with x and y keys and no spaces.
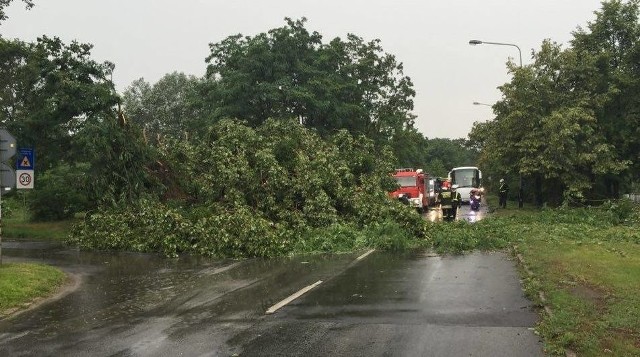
{"x":166,"y":109}
{"x":569,"y":121}
{"x":49,"y":92}
{"x":289,"y":72}
{"x":435,"y":156}
{"x":303,"y":167}
{"x":261,"y":191}
{"x":58,"y":101}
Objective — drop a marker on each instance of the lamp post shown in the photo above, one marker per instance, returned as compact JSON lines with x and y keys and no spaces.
{"x":478,"y":42}
{"x":478,"y":103}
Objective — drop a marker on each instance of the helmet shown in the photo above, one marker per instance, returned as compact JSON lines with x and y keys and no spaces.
{"x":501,"y":180}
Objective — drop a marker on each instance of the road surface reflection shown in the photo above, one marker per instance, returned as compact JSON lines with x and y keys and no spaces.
{"x":465,"y":213}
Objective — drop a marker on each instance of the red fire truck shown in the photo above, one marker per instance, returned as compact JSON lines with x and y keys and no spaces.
{"x":416,"y":188}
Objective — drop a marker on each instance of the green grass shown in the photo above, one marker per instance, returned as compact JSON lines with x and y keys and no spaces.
{"x":22,"y":283}
{"x":17,"y":224}
{"x":37,"y":230}
{"x":592,"y":283}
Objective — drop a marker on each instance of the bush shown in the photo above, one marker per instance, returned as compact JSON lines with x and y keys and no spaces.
{"x":390,"y":236}
{"x":60,"y":193}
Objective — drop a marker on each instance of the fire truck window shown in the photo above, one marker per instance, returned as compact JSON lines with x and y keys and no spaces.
{"x":406,"y":181}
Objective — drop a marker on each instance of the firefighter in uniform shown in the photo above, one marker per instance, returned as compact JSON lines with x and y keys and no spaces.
{"x":446,"y":201}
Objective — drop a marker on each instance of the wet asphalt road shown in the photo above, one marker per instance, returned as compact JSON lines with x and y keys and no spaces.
{"x":465,"y":213}
{"x":413,"y":304}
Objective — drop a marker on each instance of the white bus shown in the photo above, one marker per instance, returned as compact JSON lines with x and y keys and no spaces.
{"x":467,"y":178}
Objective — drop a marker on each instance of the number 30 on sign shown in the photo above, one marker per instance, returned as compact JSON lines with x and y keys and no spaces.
{"x":24,"y":178}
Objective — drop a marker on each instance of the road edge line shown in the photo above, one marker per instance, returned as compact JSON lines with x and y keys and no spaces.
{"x":365,"y":254}
{"x":286,"y":301}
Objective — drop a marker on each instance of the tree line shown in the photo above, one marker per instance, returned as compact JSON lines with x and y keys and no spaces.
{"x":287,"y":134}
{"x":569,"y":122}
{"x":285,"y":139}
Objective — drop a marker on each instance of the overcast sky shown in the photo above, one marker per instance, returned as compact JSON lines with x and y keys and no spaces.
{"x":150,"y":38}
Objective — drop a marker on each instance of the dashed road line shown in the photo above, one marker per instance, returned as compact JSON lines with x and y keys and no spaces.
{"x":286,"y":301}
{"x":301,"y":292}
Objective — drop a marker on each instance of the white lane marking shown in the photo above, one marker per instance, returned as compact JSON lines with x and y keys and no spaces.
{"x":284,"y":302}
{"x":223,"y":269}
{"x":365,"y":254}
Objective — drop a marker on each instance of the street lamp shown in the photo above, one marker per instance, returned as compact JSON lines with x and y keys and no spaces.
{"x":478,"y":42}
{"x":478,"y":103}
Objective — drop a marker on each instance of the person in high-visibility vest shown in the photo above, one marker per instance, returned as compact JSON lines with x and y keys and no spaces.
{"x":445,"y":197}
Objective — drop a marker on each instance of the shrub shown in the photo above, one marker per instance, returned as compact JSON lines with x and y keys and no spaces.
{"x":60,"y":193}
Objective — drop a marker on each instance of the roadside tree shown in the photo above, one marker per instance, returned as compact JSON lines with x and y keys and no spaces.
{"x":565,"y":121}
{"x":165,"y":109}
{"x":289,"y":73}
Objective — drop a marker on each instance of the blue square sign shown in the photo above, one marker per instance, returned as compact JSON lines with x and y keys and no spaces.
{"x":25,"y":159}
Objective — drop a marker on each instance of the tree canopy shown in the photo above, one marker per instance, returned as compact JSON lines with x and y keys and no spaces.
{"x":288,"y":72}
{"x":166,"y":109}
{"x":57,"y":100}
{"x":568,"y":122}
{"x":49,"y":92}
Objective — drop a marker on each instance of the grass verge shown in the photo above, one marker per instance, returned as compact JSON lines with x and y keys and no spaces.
{"x":586,"y":261}
{"x":16,"y":224}
{"x":21,"y":284}
{"x":591,"y":277}
{"x":57,"y":231}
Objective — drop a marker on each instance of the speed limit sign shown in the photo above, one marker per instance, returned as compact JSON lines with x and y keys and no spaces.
{"x":24,"y":179}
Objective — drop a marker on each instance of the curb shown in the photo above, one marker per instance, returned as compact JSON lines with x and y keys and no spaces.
{"x":541,"y":295}
{"x":543,"y":298}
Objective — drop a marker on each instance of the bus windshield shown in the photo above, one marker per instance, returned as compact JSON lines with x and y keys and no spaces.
{"x":468,"y":177}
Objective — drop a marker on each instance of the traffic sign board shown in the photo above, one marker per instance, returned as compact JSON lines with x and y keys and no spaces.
{"x":7,"y":176}
{"x":25,"y":159}
{"x":7,"y":145}
{"x":23,"y":179}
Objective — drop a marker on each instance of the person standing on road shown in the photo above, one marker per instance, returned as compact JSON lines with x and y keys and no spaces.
{"x":445,"y":197}
{"x":456,"y":200}
{"x":503,"y":191}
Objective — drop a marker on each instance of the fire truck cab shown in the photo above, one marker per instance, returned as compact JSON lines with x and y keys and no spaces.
{"x":416,"y":188}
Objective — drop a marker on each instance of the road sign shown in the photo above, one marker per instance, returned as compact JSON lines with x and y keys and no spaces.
{"x":23,"y":179}
{"x":25,"y":160}
{"x":7,"y":176}
{"x":7,"y":145}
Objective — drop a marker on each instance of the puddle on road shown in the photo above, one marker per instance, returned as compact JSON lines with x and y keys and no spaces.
{"x":119,"y":289}
{"x":465,"y":213}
